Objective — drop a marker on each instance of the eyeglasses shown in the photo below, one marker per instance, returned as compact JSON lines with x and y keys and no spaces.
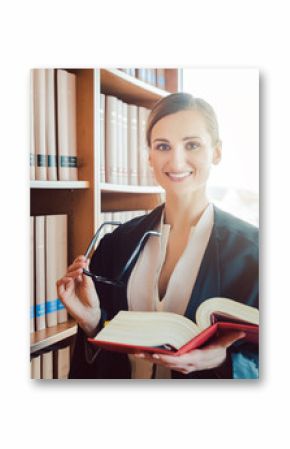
{"x":119,"y":280}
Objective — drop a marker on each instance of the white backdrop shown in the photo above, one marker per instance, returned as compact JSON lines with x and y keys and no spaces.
{"x":204,"y":34}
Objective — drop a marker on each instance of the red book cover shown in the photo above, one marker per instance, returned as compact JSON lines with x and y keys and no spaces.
{"x":216,"y":329}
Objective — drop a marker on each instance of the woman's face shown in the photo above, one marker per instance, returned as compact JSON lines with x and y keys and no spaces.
{"x":182,"y":152}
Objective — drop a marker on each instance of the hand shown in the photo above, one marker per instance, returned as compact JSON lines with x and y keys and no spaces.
{"x":77,"y":292}
{"x":209,"y":357}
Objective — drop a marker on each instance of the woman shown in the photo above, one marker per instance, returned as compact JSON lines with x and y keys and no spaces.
{"x":203,"y":252}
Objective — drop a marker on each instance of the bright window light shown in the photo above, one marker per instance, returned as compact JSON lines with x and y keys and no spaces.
{"x":234,"y":95}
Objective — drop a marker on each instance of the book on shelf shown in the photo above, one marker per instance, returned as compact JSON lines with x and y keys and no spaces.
{"x":48,"y":264}
{"x":111,"y":139}
{"x":160,"y":78}
{"x":35,"y":367}
{"x":120,"y":162}
{"x":51,"y":364}
{"x":56,"y":266}
{"x":50,"y":124}
{"x":32,"y":271}
{"x":143,"y":165}
{"x":170,"y":333}
{"x":47,"y":365}
{"x":61,"y":363}
{"x":132,"y":145}
{"x":40,"y":272}
{"x":155,"y":77}
{"x":124,"y":143}
{"x":32,"y":160}
{"x":102,"y":137}
{"x":124,"y":151}
{"x":66,"y":124}
{"x":53,"y":142}
{"x":39,"y":111}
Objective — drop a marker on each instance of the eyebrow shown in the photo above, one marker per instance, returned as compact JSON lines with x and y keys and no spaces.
{"x":184,"y":138}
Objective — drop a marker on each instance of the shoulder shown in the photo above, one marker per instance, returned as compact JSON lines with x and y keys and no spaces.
{"x":229,"y":227}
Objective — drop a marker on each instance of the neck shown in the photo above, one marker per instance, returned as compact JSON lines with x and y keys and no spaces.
{"x":184,"y":210}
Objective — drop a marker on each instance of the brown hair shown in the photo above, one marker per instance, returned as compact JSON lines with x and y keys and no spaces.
{"x":183,"y":102}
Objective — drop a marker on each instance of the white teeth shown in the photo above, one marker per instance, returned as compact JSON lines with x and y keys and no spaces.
{"x":179,"y":175}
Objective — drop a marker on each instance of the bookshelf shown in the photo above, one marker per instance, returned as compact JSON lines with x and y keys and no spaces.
{"x":59,"y":185}
{"x":45,"y":338}
{"x":84,"y":200}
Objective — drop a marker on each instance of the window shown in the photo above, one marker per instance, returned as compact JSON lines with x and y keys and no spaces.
{"x":234,"y":94}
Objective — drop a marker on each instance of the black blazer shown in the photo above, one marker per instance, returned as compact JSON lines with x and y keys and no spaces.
{"x":229,"y":269}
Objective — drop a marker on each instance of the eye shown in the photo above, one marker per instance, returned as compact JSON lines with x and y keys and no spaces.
{"x":192,"y":145}
{"x":162,"y":147}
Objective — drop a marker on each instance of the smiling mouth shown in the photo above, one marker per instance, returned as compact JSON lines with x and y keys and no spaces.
{"x":178,"y":176}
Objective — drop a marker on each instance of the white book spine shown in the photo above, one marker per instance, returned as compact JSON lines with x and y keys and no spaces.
{"x":61,"y":245}
{"x":111,"y":139}
{"x":32,"y":277}
{"x":142,"y":147}
{"x":102,"y":138}
{"x":32,"y":131}
{"x":119,"y":141}
{"x":47,"y":365}
{"x":125,"y":144}
{"x":53,"y":250}
{"x":39,"y":125}
{"x":63,"y":363}
{"x":132,"y":145}
{"x":40,"y":272}
{"x":35,"y":366}
{"x":51,"y":126}
{"x":160,"y":75}
{"x":67,"y":128}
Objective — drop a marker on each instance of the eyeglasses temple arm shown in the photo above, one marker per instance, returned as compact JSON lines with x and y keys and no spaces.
{"x":136,"y":253}
{"x":94,"y":239}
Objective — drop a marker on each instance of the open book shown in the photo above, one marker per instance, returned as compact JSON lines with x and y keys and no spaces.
{"x":170,"y":333}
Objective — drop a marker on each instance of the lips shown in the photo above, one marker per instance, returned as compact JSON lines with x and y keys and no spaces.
{"x":178,"y":176}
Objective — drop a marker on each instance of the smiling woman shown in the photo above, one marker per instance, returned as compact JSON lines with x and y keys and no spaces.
{"x":187,"y":154}
{"x":202,"y":252}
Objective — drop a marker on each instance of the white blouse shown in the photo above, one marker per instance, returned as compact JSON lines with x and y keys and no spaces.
{"x":142,"y":288}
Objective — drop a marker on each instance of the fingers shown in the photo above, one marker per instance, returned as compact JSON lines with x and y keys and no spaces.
{"x":75,"y":270}
{"x":79,"y":262}
{"x":168,"y":361}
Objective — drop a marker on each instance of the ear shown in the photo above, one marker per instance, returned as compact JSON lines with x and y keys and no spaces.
{"x":217,"y":153}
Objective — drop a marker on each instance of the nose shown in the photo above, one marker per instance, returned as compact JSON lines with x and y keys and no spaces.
{"x":177,"y":158}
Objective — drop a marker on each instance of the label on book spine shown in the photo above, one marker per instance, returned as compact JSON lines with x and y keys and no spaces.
{"x":40,"y":310}
{"x":51,"y":306}
{"x":32,"y":312}
{"x":32,"y":160}
{"x":60,"y":305}
{"x":68,"y":161}
{"x":41,"y":160}
{"x":51,"y":160}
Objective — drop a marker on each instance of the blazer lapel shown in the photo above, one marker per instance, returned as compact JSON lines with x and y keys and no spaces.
{"x":135,"y":234}
{"x":207,"y":283}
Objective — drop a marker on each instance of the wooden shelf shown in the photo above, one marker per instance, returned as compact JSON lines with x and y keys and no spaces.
{"x":46,"y":337}
{"x":59,"y":184}
{"x":83,"y":201}
{"x":119,"y":188}
{"x":130,"y":89}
